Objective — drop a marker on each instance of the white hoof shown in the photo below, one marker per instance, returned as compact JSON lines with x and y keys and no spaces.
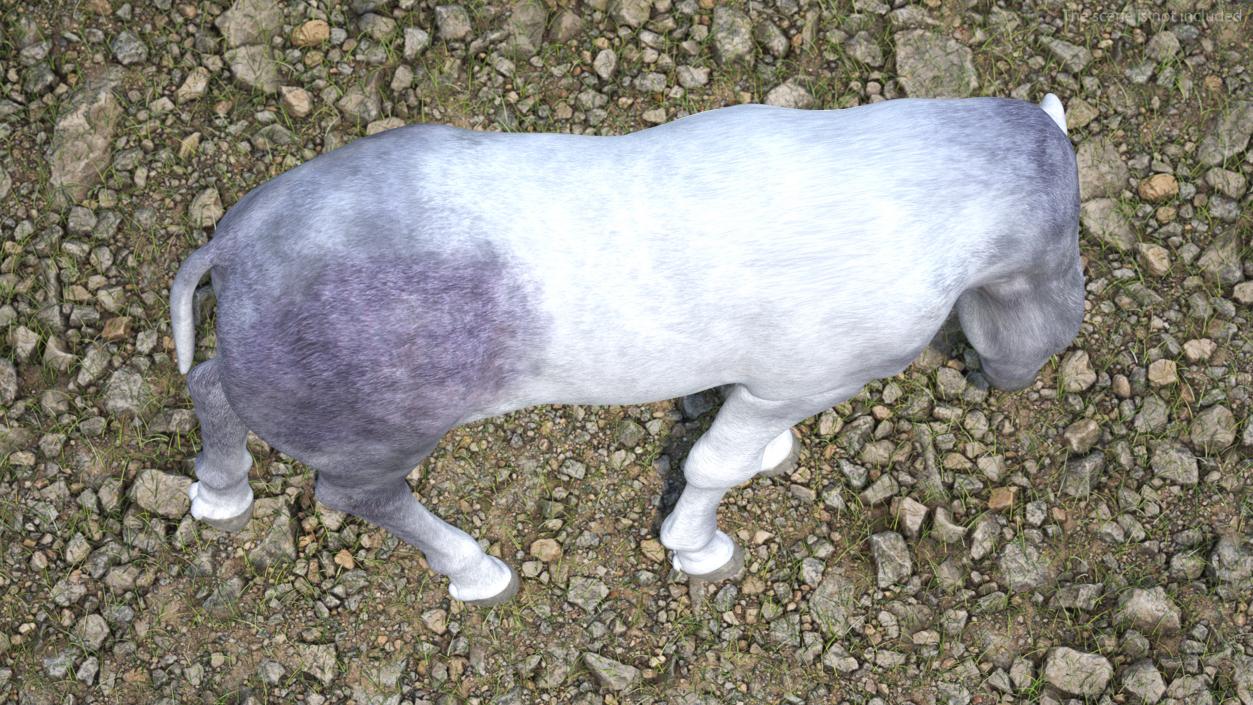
{"x":711,"y":561}
{"x":230,"y":514}
{"x":491,"y":582}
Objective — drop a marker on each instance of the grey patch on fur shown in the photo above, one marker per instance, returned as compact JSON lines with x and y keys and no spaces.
{"x":372,"y":355}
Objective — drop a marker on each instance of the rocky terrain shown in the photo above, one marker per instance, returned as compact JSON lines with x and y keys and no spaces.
{"x":1088,"y":540}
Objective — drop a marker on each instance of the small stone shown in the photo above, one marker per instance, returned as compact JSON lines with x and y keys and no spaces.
{"x":1229,"y":135}
{"x":436,"y":620}
{"x":1149,"y":611}
{"x":1072,"y":56}
{"x":1002,"y":498}
{"x":1102,"y":171}
{"x":206,"y":208}
{"x":1076,"y":372}
{"x":732,"y":35}
{"x":984,"y":539}
{"x":127,"y":393}
{"x":653,"y":550}
{"x":272,"y":532}
{"x":1174,"y":463}
{"x":606,"y":62}
{"x":1154,"y":258}
{"x":865,"y":49}
{"x":932,"y":65}
{"x":82,"y":140}
{"x":161,"y":493}
{"x":1079,"y":113}
{"x":194,"y":86}
{"x":1230,"y":183}
{"x":547,"y":550}
{"x":254,"y":67}
{"x":880,"y":491}
{"x":1220,"y":261}
{"x":586,"y":593}
{"x":1077,"y":596}
{"x":1163,"y":372}
{"x":129,"y":49}
{"x":1082,"y":435}
{"x":1231,"y":563}
{"x":344,"y":559}
{"x":611,"y":674}
{"x":250,"y":22}
{"x":311,"y":33}
{"x":910,"y":515}
{"x":1213,"y":429}
{"x":1243,"y":293}
{"x":92,"y":631}
{"x":452,"y":22}
{"x":1023,"y":568}
{"x":8,"y":382}
{"x":525,"y":26}
{"x":377,"y":27}
{"x":945,"y":529}
{"x":633,"y":13}
{"x":891,"y":557}
{"x":1082,"y":475}
{"x":567,"y":27}
{"x":790,"y":94}
{"x":1143,"y":683}
{"x":1102,"y":218}
{"x":318,"y":660}
{"x":1077,"y":673}
{"x":1158,"y":188}
{"x":296,"y":101}
{"x":417,"y":40}
{"x":831,"y":602}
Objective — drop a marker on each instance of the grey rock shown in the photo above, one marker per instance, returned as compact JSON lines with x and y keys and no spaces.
{"x":865,"y":49}
{"x":250,"y":22}
{"x":832,"y":601}
{"x":161,"y":493}
{"x":526,"y":28}
{"x":631,"y":12}
{"x":1083,"y":474}
{"x":1077,"y":673}
{"x":587,"y":593}
{"x":790,"y":94}
{"x":768,"y":35}
{"x":1077,"y":596}
{"x":127,"y":394}
{"x":1230,"y":183}
{"x":1082,"y":435}
{"x":1173,"y":462}
{"x":611,"y":674}
{"x":837,"y":658}
{"x":606,"y":63}
{"x":910,"y":515}
{"x":1231,"y":563}
{"x":91,"y":631}
{"x":223,"y":600}
{"x":1152,"y":417}
{"x":1023,"y":568}
{"x":567,"y":26}
{"x":194,"y":86}
{"x":882,"y":489}
{"x":1142,"y":682}
{"x":1220,"y":261}
{"x":1149,"y":611}
{"x":6,"y":183}
{"x":8,"y":382}
{"x":83,"y":138}
{"x":272,"y":532}
{"x":452,"y":22}
{"x":417,"y":40}
{"x":254,"y":67}
{"x":984,"y":539}
{"x":931,"y":65}
{"x":129,"y":49}
{"x":1242,"y":677}
{"x":1164,"y":46}
{"x":1102,"y":218}
{"x":891,"y":557}
{"x":361,"y":104}
{"x":206,"y":208}
{"x":1213,"y":429}
{"x":376,"y":26}
{"x":318,"y":660}
{"x":1229,"y":135}
{"x":1190,"y":690}
{"x":1102,"y":171}
{"x":1075,"y":58}
{"x":732,"y":35}
{"x":1076,"y":371}
{"x":944,"y":528}
{"x":950,"y":384}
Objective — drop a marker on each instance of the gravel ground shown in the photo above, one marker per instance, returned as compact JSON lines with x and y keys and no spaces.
{"x":1086,"y":540}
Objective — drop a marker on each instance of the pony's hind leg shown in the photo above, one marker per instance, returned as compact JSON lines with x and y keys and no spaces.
{"x":382,"y":497}
{"x":221,"y":496}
